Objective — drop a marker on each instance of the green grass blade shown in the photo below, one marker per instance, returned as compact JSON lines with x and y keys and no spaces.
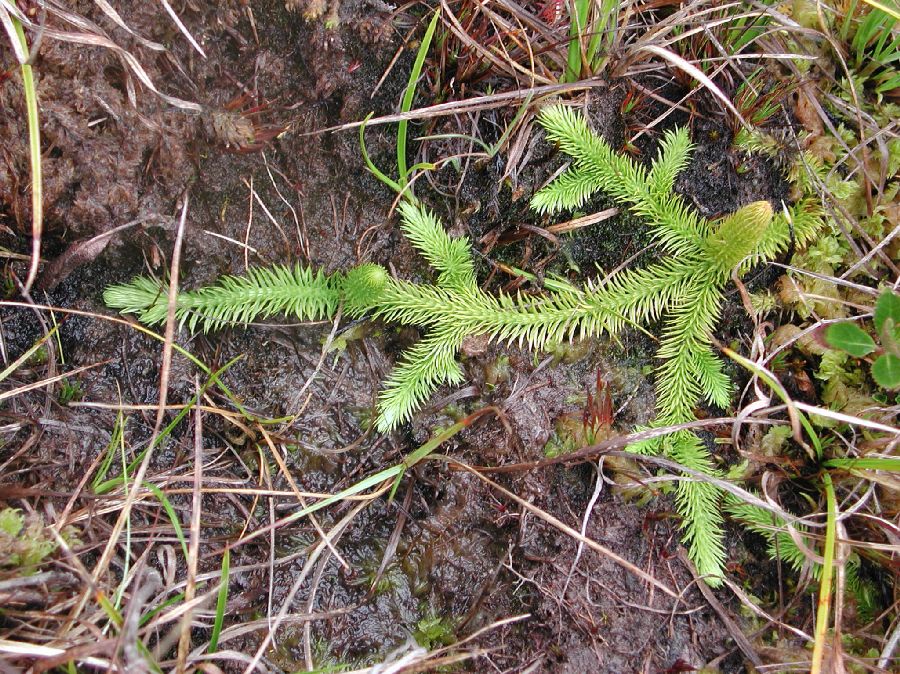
{"x":849,"y":13}
{"x":891,"y":9}
{"x":18,"y":362}
{"x":221,"y":602}
{"x":173,"y":516}
{"x":111,"y":612}
{"x":406,"y":105}
{"x":148,"y":657}
{"x":873,"y":463}
{"x":377,"y":172}
{"x":156,"y":610}
{"x":823,"y":612}
{"x":888,"y":85}
{"x":577,"y":23}
{"x":109,"y":452}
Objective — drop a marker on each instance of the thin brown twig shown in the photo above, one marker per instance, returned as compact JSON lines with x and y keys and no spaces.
{"x":165,"y":369}
{"x":190,"y":589}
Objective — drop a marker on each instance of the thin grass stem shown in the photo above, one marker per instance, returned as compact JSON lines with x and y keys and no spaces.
{"x":406,"y":105}
{"x":221,"y":602}
{"x":34,"y":148}
{"x":823,"y":612}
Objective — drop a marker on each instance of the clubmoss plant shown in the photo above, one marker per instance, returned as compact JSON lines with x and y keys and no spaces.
{"x":686,"y":285}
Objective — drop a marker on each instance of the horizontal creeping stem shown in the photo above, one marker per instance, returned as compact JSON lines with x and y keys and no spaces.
{"x":684,"y":289}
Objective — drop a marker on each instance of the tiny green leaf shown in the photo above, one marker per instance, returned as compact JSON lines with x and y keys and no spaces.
{"x":887,"y":306}
{"x":11,"y":522}
{"x":850,"y":338}
{"x":886,"y":371}
{"x":890,"y":336}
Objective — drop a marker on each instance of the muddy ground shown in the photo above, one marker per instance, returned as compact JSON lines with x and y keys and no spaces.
{"x":465,"y":556}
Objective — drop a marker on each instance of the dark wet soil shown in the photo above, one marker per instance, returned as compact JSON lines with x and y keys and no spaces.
{"x":466,"y":556}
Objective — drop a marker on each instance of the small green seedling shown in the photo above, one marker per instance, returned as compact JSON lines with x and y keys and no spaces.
{"x":433,"y":631}
{"x":852,"y":339}
{"x":69,"y":391}
{"x":23,"y":544}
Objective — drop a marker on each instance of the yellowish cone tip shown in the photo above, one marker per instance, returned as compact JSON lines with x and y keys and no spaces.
{"x":739,"y":234}
{"x":757,"y":215}
{"x":363,"y":286}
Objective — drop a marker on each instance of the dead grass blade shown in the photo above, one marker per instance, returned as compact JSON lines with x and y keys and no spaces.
{"x":614,"y":447}
{"x":93,"y":35}
{"x":420,"y":660}
{"x":39,"y":652}
{"x":132,"y":63}
{"x":184,"y":643}
{"x":698,"y":75}
{"x":583,"y":221}
{"x":116,"y":18}
{"x":19,"y":50}
{"x":28,"y":353}
{"x":847,"y":418}
{"x":46,"y":382}
{"x":182,"y":27}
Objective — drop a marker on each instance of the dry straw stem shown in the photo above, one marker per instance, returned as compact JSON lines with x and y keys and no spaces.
{"x":109,"y":550}
{"x":184,"y":642}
